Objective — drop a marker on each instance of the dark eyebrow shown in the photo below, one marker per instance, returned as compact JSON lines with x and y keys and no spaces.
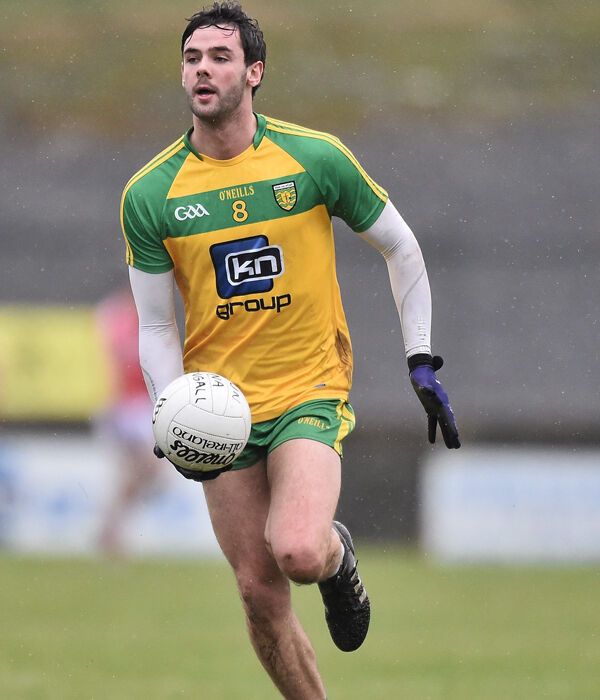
{"x":212,"y":49}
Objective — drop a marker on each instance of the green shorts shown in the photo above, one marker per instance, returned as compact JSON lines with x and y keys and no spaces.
{"x":323,"y":420}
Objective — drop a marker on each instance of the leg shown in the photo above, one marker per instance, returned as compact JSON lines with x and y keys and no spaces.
{"x":239,"y":503}
{"x":305,"y":480}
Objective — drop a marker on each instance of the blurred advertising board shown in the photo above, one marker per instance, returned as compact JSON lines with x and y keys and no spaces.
{"x":512,"y":505}
{"x":52,"y":366}
{"x":56,"y":488}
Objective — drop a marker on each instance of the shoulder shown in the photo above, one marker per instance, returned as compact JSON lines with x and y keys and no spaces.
{"x":295,"y":137}
{"x":154,"y":179}
{"x":332,"y":164}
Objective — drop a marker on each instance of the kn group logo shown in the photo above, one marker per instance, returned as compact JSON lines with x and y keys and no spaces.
{"x":246,"y":266}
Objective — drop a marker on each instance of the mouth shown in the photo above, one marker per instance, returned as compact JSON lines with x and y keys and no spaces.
{"x":204,"y":91}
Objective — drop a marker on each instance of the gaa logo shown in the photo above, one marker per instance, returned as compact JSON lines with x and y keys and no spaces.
{"x":246,"y":266}
{"x":190,"y":212}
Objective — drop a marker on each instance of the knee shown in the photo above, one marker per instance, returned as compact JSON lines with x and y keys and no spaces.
{"x":301,"y":562}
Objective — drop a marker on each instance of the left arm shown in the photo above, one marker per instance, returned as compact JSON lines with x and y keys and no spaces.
{"x":392,"y":237}
{"x":410,"y":286}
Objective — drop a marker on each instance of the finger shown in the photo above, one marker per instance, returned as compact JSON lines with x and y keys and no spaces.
{"x":195,"y":475}
{"x":432,"y":427}
{"x":449,"y":430}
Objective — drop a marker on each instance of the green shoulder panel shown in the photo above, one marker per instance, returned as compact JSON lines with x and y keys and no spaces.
{"x":348,"y":191}
{"x":142,"y":210}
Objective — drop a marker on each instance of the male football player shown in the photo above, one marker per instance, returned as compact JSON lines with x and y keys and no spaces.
{"x":238,"y":212}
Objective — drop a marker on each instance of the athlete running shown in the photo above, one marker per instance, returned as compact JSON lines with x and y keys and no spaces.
{"x":238,"y":213}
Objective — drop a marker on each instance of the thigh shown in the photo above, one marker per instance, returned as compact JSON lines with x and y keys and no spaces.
{"x":238,"y":504}
{"x":305,"y":480}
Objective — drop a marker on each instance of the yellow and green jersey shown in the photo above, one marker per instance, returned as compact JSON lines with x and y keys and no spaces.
{"x":251,"y":244}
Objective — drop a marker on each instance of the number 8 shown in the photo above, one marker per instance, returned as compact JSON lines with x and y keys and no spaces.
{"x":240,"y":212}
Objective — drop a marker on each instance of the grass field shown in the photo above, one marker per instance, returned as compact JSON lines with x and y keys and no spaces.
{"x":86,"y":629}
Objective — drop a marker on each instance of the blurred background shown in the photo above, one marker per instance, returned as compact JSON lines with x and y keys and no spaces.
{"x":479,"y":118}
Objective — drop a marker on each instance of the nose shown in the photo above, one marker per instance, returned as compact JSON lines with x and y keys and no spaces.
{"x":202,"y":67}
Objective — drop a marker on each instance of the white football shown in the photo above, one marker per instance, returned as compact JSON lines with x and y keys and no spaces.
{"x":201,"y":421}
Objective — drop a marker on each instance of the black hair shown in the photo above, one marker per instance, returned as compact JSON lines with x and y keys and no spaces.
{"x":231,"y":13}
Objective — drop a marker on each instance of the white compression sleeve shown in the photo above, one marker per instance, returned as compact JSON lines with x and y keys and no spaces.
{"x":161,"y":358}
{"x":392,"y":237}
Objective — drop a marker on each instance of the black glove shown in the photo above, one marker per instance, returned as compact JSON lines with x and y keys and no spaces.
{"x":192,"y":473}
{"x":431,"y":393}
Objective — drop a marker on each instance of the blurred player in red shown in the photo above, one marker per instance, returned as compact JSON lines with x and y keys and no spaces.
{"x":127,"y":420}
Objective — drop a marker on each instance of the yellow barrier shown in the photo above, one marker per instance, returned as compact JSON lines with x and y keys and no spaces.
{"x":52,"y":366}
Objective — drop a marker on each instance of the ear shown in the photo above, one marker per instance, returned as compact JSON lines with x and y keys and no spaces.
{"x":254,"y":73}
{"x":182,"y":80}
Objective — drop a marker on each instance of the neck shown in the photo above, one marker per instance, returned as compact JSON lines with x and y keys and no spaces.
{"x":226,"y":140}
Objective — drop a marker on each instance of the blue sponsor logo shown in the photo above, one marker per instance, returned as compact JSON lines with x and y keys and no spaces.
{"x":246,"y":266}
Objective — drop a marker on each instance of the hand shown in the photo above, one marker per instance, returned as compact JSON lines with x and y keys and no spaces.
{"x":433,"y":397}
{"x":192,"y":474}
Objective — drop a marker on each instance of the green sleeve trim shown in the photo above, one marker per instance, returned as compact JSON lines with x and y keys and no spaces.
{"x":142,"y":224}
{"x":153,"y":269}
{"x":367,"y":223}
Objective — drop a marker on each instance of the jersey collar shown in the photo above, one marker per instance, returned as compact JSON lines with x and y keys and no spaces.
{"x":261,"y":127}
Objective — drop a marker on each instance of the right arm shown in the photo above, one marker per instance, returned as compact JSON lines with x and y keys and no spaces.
{"x":161,"y":358}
